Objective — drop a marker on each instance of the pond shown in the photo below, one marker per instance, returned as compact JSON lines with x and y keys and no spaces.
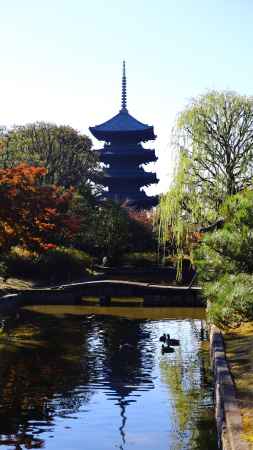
{"x":94,"y":378}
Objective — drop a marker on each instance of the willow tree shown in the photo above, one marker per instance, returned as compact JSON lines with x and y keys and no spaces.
{"x":214,"y":143}
{"x":216,"y":132}
{"x":179,"y":213}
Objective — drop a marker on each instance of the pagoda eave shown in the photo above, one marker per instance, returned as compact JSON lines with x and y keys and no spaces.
{"x":146,"y":177}
{"x":110,"y":182}
{"x":113,"y":155}
{"x":107,"y":159}
{"x":107,"y":136}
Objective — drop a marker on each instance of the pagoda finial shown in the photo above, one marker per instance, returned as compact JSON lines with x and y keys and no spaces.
{"x":124,"y":92}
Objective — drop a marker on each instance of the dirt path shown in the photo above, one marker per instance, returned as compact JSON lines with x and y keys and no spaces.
{"x":239,"y":353}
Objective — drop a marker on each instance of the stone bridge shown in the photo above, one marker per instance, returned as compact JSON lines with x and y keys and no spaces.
{"x":151,"y":293}
{"x":73,"y":293}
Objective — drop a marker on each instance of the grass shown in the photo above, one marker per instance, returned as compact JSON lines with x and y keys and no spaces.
{"x":239,"y":352}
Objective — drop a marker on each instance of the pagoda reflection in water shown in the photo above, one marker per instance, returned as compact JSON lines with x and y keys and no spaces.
{"x":124,"y":155}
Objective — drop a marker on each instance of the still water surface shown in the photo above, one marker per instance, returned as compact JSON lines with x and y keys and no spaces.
{"x":68,"y":382}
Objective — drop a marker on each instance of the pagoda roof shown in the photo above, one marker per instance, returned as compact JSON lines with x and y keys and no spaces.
{"x":139,"y":179}
{"x":128,"y":173}
{"x":123,"y":123}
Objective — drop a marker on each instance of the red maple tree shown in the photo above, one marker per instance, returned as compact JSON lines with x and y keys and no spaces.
{"x":32,"y":216}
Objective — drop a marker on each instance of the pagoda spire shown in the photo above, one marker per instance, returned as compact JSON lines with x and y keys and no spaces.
{"x":124,"y":90}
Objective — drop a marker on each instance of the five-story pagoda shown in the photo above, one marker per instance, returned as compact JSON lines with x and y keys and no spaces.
{"x":124,"y":155}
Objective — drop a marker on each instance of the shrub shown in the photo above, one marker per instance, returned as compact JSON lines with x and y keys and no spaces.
{"x":21,"y":263}
{"x":63,"y":263}
{"x":3,"y":269}
{"x":55,"y":264}
{"x":140,"y":259}
{"x":231,"y":300}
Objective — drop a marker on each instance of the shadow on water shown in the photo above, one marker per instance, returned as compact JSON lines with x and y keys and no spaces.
{"x":71,"y":376}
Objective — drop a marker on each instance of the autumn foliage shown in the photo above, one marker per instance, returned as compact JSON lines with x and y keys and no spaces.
{"x":33,"y":216}
{"x":143,"y":217}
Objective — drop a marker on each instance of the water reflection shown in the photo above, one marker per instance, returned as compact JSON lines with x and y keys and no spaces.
{"x":41,"y":366}
{"x":188,"y":380}
{"x":70,"y":376}
{"x":127,"y":362}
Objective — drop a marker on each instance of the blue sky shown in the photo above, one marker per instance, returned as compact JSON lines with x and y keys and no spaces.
{"x":61,"y":60}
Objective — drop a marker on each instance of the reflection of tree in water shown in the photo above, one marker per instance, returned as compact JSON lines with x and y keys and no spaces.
{"x":40,"y":367}
{"x":127,"y":361}
{"x":188,"y":386}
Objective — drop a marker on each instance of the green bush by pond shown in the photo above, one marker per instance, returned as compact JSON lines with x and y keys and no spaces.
{"x":56,"y":264}
{"x":231,"y":299}
{"x":224,"y":262}
{"x":64,"y":263}
{"x":140,"y":259}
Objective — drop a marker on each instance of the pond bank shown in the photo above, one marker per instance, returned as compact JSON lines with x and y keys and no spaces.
{"x":228,"y":366}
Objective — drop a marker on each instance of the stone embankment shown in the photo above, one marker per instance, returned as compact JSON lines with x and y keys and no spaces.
{"x":227,"y":411}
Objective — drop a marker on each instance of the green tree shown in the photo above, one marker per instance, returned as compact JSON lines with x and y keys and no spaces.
{"x":62,"y":150}
{"x":110,"y":224}
{"x":108,"y":229}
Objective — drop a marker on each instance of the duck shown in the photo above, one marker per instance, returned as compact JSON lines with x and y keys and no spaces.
{"x":173,"y":342}
{"x":163,"y":338}
{"x":167,"y":349}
